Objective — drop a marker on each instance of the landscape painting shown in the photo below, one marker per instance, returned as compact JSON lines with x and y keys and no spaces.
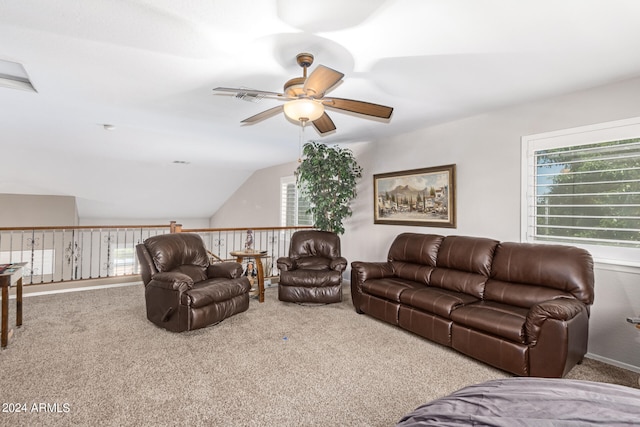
{"x":423,"y":197}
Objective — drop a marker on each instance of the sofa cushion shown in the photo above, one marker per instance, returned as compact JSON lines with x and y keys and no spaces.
{"x":565,"y":268}
{"x":389,"y":288}
{"x":416,"y":272}
{"x":498,"y":319}
{"x":458,"y":281}
{"x":415,"y":248}
{"x":520,"y":295}
{"x":435,"y":300}
{"x":463,"y":253}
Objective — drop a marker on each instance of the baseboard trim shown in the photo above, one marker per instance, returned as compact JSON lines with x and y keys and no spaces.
{"x":34,"y":293}
{"x":613,"y":362}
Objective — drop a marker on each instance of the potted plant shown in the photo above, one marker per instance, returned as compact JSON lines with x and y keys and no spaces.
{"x":327,"y":177}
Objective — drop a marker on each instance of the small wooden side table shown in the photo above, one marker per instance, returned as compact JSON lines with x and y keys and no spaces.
{"x":11,"y":274}
{"x":241,"y":255}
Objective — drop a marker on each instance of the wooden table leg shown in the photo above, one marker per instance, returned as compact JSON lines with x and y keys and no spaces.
{"x":5,"y":311}
{"x":19,"y":302}
{"x":260,"y":280}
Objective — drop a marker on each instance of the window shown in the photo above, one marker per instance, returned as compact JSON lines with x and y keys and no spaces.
{"x":293,"y":206}
{"x":582,"y":188}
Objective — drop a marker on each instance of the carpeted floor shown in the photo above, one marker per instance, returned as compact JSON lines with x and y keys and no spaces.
{"x":91,"y":358}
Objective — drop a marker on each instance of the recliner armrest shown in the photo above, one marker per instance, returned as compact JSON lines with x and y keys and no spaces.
{"x":338,"y":264}
{"x":226,"y":269}
{"x":562,"y":309}
{"x":171,"y":280}
{"x":285,"y":264}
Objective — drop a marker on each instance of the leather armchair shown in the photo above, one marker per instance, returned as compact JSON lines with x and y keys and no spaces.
{"x":183,"y":291}
{"x":312,"y":273}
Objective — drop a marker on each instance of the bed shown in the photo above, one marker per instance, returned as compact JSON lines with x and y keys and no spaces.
{"x":521,"y":401}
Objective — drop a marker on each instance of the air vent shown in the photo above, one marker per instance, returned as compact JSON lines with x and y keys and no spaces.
{"x":14,"y":76}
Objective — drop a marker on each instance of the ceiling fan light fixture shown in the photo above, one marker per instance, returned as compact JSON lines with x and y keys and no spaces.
{"x":304,"y":110}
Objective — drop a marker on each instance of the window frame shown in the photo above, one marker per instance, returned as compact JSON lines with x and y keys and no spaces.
{"x":284,"y":182}
{"x":583,"y":135}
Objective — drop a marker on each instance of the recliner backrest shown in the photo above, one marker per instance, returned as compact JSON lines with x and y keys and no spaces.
{"x":314,"y":243}
{"x":170,"y":251}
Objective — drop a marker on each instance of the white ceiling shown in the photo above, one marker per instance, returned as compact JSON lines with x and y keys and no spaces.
{"x":148,"y":67}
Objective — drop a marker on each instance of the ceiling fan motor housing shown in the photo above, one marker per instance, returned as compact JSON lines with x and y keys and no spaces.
{"x":294,"y":87}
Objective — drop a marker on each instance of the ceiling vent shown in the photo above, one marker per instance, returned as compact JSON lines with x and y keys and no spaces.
{"x":14,"y":76}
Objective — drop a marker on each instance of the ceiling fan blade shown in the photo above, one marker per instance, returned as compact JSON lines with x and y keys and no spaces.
{"x":360,"y":107}
{"x":264,"y":115}
{"x":324,"y":124}
{"x":320,"y":80}
{"x":246,"y":91}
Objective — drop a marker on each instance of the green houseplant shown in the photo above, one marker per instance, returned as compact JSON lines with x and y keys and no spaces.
{"x":327,"y":177}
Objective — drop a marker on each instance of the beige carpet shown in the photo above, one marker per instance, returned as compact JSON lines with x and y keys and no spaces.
{"x":91,"y":358}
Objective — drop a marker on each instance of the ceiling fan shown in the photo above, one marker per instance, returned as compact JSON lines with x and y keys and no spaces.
{"x":305,"y":98}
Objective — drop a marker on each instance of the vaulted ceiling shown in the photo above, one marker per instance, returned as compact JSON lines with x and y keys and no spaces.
{"x":148,"y":67}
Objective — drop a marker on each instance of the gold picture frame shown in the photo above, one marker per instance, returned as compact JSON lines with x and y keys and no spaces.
{"x":423,"y":197}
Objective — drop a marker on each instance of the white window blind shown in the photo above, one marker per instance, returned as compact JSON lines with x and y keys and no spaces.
{"x":582,"y":188}
{"x":293,"y":206}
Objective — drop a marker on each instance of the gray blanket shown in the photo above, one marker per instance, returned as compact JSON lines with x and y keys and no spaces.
{"x":532,"y":402}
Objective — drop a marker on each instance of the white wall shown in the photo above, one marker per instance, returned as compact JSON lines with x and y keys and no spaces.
{"x":486,"y":150}
{"x":26,"y":210}
{"x":257,"y":202}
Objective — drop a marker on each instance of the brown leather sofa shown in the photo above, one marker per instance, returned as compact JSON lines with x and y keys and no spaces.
{"x":523,"y":308}
{"x":183,"y":291}
{"x":312,"y":273}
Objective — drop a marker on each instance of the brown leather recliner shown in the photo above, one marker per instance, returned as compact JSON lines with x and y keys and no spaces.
{"x":312,"y":273}
{"x":183,"y":291}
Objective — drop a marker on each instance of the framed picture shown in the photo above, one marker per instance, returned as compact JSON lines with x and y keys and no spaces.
{"x":425,"y":197}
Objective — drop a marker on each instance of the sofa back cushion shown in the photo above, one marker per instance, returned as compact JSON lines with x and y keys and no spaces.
{"x":464,"y":253}
{"x":562,"y":270}
{"x":410,"y":271}
{"x":464,"y":264}
{"x":520,"y":295}
{"x":413,"y":255}
{"x":415,"y":248}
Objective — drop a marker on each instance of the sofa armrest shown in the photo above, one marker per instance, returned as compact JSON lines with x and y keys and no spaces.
{"x":562,"y":309}
{"x":225,"y":269}
{"x":172,"y":281}
{"x":285,"y":263}
{"x":362,"y":271}
{"x":338,"y":264}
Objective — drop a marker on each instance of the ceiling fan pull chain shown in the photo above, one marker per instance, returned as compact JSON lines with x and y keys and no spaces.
{"x":301,"y":137}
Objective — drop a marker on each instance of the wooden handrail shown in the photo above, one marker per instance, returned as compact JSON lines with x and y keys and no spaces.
{"x":81,"y":227}
{"x":206,"y":230}
{"x":178,"y":228}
